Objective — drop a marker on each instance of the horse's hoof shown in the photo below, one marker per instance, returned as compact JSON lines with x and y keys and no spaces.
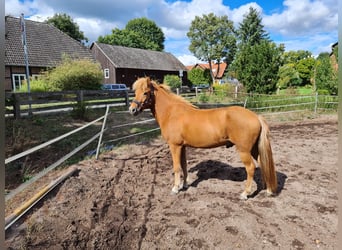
{"x":269,"y":193}
{"x":243,"y":196}
{"x":174,"y":191}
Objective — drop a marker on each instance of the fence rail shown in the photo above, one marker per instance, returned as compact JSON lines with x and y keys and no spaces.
{"x":269,"y":103}
{"x":61,"y":160}
{"x":18,"y":103}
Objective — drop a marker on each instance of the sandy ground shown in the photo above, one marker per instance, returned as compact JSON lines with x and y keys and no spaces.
{"x":123,"y":200}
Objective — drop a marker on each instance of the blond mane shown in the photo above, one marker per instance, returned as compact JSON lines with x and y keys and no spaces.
{"x":143,"y":84}
{"x":178,"y":98}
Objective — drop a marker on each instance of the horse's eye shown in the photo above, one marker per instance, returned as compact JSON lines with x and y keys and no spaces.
{"x":145,"y":93}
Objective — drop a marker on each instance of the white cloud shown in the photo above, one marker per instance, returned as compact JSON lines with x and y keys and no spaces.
{"x":316,"y":43}
{"x":237,"y":15}
{"x":188,"y":60}
{"x":173,"y":33}
{"x":176,"y":17}
{"x":300,"y":23}
{"x":95,"y":27}
{"x":303,"y":18}
{"x":15,"y":8}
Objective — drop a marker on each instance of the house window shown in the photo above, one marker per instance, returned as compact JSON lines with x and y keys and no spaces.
{"x":106,"y":73}
{"x":17,"y":81}
{"x":34,"y":77}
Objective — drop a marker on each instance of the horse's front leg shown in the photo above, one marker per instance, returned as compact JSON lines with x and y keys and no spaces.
{"x":184,"y":168}
{"x":176,"y":152}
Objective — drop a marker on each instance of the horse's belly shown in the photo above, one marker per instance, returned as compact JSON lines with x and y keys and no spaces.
{"x":205,"y":145}
{"x":205,"y":141}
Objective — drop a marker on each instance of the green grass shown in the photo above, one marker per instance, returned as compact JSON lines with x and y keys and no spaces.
{"x":297,"y":91}
{"x":305,"y":91}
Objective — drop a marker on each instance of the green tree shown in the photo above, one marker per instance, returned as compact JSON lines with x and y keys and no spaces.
{"x":139,"y":33}
{"x":303,"y":63}
{"x":149,"y":31}
{"x":258,"y":59}
{"x":66,"y":24}
{"x":198,"y":76}
{"x":251,"y":31}
{"x":325,"y":77}
{"x":288,"y":76}
{"x":212,"y":39}
{"x":257,"y":67}
{"x":295,"y":56}
{"x":305,"y":68}
{"x":124,"y":38}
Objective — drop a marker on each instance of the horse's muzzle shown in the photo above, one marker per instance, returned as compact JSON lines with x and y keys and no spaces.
{"x":134,"y":110}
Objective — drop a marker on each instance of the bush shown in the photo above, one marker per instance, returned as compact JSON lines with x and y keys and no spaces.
{"x":71,"y":74}
{"x":173,"y":81}
{"x":76,"y":75}
{"x":223,"y":89}
{"x":36,"y":85}
{"x":203,"y":97}
{"x":198,"y":76}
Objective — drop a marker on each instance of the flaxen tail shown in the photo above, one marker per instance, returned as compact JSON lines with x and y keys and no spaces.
{"x":266,"y":162}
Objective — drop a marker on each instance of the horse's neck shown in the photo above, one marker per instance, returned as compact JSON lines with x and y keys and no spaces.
{"x":161,"y":106}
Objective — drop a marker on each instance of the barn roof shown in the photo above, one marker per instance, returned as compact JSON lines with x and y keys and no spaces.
{"x":133,"y":58}
{"x":45,"y":44}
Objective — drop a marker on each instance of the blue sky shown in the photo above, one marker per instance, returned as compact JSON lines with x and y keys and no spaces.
{"x":298,"y":24}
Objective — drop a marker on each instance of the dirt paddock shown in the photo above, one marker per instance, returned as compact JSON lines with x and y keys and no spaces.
{"x":123,"y":200}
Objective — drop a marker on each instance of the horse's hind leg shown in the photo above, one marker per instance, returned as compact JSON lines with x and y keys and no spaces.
{"x":247,"y":160}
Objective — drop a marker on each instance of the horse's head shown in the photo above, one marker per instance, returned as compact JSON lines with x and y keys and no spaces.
{"x":144,"y":95}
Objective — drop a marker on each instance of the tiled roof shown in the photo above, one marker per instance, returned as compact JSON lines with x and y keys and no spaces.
{"x":45,"y":44}
{"x":204,"y":66}
{"x":133,"y":58}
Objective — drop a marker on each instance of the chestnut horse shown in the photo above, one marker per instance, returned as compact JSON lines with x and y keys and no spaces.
{"x":183,"y":124}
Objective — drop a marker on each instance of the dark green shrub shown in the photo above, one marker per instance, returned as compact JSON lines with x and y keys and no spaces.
{"x":173,"y":81}
{"x":80,"y":111}
{"x":203,"y":97}
{"x":71,"y":74}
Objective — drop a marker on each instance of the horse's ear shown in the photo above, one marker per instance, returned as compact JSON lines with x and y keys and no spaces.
{"x":149,"y":81}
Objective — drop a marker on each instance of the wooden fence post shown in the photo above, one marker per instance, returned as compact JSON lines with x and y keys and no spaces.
{"x":79,"y":97}
{"x":16,"y":105}
{"x":126,"y":98}
{"x":316,"y":102}
{"x":30,"y":105}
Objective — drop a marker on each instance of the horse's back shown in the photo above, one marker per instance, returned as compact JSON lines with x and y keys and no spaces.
{"x":235,"y":116}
